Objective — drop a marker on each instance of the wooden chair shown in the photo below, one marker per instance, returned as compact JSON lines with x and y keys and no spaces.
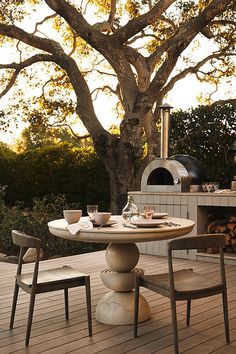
{"x":44,"y":281}
{"x":186,"y":284}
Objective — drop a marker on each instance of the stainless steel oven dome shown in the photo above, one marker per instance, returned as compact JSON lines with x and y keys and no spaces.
{"x":179,"y":173}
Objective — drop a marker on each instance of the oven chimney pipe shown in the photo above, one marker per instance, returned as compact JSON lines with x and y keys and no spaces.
{"x":165,"y":126}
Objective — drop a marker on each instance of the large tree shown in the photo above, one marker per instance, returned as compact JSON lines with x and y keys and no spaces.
{"x":139,"y":49}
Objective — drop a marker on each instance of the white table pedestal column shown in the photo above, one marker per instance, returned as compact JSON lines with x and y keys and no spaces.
{"x":117,"y":307}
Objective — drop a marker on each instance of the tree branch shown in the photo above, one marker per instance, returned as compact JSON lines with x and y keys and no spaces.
{"x":169,"y":21}
{"x":112,"y":13}
{"x":161,"y":49}
{"x":10,"y":83}
{"x":141,"y":66}
{"x":43,"y":21}
{"x":189,"y":70}
{"x":76,"y":20}
{"x":183,"y":37}
{"x":137,"y":24}
{"x":45,"y":44}
{"x":20,"y":66}
{"x":65,"y":125}
{"x":139,"y":36}
{"x":103,"y":89}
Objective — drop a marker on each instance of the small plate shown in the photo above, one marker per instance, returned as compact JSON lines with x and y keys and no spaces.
{"x":109,"y":223}
{"x":147,"y":223}
{"x":156,"y":215}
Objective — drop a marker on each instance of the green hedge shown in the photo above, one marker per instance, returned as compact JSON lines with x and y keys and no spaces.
{"x":207,"y":133}
{"x":77,"y":173}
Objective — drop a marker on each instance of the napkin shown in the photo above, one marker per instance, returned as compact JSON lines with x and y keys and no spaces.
{"x":81,"y":225}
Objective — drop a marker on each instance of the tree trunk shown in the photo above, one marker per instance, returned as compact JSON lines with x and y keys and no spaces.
{"x":120,"y":159}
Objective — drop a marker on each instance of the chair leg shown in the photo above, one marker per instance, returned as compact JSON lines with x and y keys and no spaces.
{"x":188,"y":312}
{"x":174,"y":324}
{"x":30,"y":318}
{"x":66,"y":300}
{"x":89,"y":307}
{"x":14,"y":302}
{"x":136,"y":307}
{"x":226,"y":316}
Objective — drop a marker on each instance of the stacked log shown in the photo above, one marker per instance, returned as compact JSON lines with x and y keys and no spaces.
{"x":226,"y":225}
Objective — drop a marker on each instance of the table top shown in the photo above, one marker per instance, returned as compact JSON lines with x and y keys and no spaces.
{"x":117,"y":233}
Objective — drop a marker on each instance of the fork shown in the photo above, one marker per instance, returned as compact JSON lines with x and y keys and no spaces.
{"x":130,"y":226}
{"x":170,"y":223}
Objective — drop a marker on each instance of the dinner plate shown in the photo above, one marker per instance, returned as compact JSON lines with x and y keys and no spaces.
{"x":156,"y":215}
{"x":147,"y":223}
{"x":109,"y":223}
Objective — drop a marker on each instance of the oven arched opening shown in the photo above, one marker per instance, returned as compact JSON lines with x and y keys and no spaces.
{"x":160,"y":176}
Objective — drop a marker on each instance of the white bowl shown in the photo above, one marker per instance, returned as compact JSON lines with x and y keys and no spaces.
{"x":101,"y":218}
{"x":72,"y":216}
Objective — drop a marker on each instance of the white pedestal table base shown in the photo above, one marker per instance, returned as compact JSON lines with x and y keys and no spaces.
{"x":117,"y":307}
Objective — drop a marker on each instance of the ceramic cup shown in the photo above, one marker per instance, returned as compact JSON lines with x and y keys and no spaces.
{"x":101,"y":218}
{"x":210,"y":186}
{"x":72,"y":216}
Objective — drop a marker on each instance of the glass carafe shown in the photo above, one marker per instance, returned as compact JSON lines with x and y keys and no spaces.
{"x":130,"y":211}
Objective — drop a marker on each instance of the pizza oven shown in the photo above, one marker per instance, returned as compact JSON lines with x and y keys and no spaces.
{"x":179,"y":173}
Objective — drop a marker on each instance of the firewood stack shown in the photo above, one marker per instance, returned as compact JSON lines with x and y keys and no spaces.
{"x":223,"y":225}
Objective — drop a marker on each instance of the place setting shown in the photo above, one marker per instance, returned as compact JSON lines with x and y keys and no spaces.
{"x":99,"y":218}
{"x":149,"y":219}
{"x":95,"y":219}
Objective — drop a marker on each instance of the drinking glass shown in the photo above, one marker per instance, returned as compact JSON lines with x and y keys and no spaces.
{"x":149,"y":211}
{"x":91,"y":209}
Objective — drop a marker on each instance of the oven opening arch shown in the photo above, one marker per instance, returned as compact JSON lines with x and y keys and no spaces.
{"x":160,"y":176}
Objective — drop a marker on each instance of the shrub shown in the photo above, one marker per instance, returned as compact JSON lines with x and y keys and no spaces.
{"x":34,"y":222}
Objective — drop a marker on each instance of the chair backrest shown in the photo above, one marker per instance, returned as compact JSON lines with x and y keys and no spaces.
{"x":25,"y":241}
{"x":197,"y":242}
{"x":21,"y":239}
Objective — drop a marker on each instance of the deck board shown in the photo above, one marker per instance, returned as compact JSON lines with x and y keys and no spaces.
{"x":51,"y":334}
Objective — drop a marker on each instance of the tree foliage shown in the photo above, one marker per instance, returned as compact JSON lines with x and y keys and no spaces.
{"x":41,"y":136}
{"x":207,"y":133}
{"x":133,"y":50}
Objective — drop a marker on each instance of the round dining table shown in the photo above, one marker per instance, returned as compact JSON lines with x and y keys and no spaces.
{"x":122,"y":255}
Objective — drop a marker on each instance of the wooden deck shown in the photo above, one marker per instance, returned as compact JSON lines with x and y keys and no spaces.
{"x":51,"y":334}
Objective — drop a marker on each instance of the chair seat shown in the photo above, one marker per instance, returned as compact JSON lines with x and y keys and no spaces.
{"x":186,"y":281}
{"x":50,"y":276}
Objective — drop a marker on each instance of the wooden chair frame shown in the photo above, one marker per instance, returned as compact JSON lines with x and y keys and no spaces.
{"x":37,"y":282}
{"x":198,"y":285}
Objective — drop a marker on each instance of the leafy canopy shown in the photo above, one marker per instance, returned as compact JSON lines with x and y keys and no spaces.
{"x":66,"y":56}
